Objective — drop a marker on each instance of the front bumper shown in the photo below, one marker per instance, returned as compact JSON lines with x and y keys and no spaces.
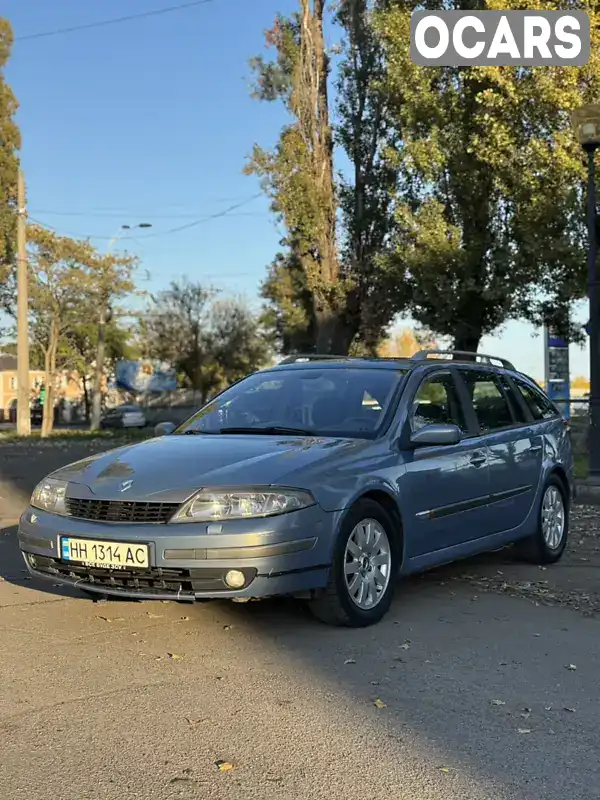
{"x":284,"y":555}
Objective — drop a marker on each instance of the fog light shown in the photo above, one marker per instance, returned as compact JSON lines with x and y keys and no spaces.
{"x":235,"y":579}
{"x":32,"y":560}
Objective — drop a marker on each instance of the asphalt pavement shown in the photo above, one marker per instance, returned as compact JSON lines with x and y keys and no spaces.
{"x":463,"y":692}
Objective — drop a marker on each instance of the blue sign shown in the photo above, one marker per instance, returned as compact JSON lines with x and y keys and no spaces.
{"x":142,"y":377}
{"x":558,"y":381}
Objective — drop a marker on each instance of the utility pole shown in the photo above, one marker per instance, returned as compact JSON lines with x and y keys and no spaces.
{"x":23,"y":410}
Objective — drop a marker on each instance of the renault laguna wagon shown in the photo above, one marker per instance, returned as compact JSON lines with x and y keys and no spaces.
{"x":321,"y":478}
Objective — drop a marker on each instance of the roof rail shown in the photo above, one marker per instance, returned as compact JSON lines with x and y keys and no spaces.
{"x":299,"y":357}
{"x":483,"y":358}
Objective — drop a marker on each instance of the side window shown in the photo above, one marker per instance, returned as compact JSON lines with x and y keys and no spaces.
{"x":437,"y":402}
{"x":516,"y":407}
{"x":491,"y":406}
{"x":539,"y":405}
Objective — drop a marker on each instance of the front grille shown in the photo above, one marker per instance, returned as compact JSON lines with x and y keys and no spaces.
{"x":181,"y":583}
{"x":118,"y":511}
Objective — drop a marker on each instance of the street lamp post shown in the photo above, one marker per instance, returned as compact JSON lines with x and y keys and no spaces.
{"x":586,"y":122}
{"x":103,"y":318}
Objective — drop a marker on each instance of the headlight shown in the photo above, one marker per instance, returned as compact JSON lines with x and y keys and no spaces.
{"x":49,"y":495}
{"x":210,"y":505}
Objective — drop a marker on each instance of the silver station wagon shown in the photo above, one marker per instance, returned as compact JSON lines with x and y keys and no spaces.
{"x":324,"y":478}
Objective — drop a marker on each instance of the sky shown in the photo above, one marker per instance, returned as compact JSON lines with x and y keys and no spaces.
{"x":151,"y":121}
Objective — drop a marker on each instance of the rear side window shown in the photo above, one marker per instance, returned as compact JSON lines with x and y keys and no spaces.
{"x":516,"y":407}
{"x":539,"y":405}
{"x":491,"y":407}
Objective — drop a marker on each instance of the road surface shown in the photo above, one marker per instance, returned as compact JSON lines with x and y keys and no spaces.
{"x":460,"y":694}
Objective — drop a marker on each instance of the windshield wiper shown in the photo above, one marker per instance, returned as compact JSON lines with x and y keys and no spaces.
{"x":270,"y":430}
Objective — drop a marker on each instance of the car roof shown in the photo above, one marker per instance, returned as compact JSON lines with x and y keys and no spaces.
{"x":458,"y":357}
{"x":348,"y":362}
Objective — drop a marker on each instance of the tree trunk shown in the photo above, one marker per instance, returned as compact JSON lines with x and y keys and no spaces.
{"x":97,"y":398}
{"x":49,"y":379}
{"x":467,"y":338}
{"x":333,"y":335}
{"x":86,"y":398}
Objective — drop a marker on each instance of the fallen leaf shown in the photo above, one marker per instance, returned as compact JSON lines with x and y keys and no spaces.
{"x":153,"y":616}
{"x":349,"y":661}
{"x":537,"y":635}
{"x":182,"y":779}
{"x":498,"y":703}
{"x":112,"y":619}
{"x":374,"y":683}
{"x":379,"y":704}
{"x":193,"y":723}
{"x":174,"y":657}
{"x":548,"y":708}
{"x":524,"y":730}
{"x":274,"y":778}
{"x":405,"y":646}
{"x":571,"y":667}
{"x":223,"y":766}
{"x":443,"y":769}
{"x":226,"y":627}
{"x":572,"y":710}
{"x":184,"y":619}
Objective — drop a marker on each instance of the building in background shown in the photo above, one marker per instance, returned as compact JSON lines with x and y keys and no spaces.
{"x":68,"y":390}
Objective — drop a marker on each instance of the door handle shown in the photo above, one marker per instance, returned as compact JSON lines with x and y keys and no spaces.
{"x":477,"y":459}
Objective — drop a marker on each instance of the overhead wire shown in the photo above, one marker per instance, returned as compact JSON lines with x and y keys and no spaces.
{"x":207,"y":218}
{"x":113,"y":20}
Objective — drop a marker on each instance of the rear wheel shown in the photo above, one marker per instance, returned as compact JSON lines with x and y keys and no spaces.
{"x":548,"y":543}
{"x":361,"y":581}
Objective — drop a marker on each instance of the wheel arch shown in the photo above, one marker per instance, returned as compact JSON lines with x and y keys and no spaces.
{"x":389,"y":503}
{"x":559,"y":471}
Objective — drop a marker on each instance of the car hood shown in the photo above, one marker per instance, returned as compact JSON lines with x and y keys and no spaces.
{"x":170,"y":468}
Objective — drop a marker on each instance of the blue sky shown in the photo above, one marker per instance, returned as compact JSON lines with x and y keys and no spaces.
{"x":151,"y":121}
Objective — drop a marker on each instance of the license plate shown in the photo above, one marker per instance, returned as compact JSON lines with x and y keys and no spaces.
{"x":105,"y":555}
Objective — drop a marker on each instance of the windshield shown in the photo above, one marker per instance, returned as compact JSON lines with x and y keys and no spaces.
{"x":330,"y":402}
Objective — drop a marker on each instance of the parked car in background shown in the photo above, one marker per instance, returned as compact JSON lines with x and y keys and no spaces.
{"x":125,"y":416}
{"x":322,"y":478}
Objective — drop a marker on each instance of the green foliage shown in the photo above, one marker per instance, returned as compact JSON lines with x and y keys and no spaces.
{"x":329,"y":286}
{"x":69,"y":279}
{"x":289,"y":310}
{"x":489,"y":208}
{"x":298,"y":173}
{"x":10,"y":143}
{"x":211,"y":342}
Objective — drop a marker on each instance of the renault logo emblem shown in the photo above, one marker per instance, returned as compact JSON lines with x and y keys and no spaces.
{"x":126,"y":485}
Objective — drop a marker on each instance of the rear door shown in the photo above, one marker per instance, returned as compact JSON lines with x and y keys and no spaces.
{"x":445,"y":490}
{"x":512,"y":443}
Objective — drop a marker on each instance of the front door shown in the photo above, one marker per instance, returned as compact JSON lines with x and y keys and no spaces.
{"x":445,"y":490}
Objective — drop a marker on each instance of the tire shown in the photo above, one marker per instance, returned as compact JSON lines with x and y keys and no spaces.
{"x":548,"y":547}
{"x":339,"y":603}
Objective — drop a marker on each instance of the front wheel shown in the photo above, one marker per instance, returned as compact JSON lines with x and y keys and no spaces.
{"x":361,"y":581}
{"x":548,"y":543}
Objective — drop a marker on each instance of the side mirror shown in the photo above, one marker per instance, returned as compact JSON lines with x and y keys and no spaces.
{"x":436,"y":435}
{"x":164,"y":429}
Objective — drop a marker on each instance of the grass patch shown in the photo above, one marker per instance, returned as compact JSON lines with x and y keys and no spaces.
{"x":580,"y":466}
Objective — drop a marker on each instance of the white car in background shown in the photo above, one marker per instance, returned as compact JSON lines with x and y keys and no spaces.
{"x":125,"y":416}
